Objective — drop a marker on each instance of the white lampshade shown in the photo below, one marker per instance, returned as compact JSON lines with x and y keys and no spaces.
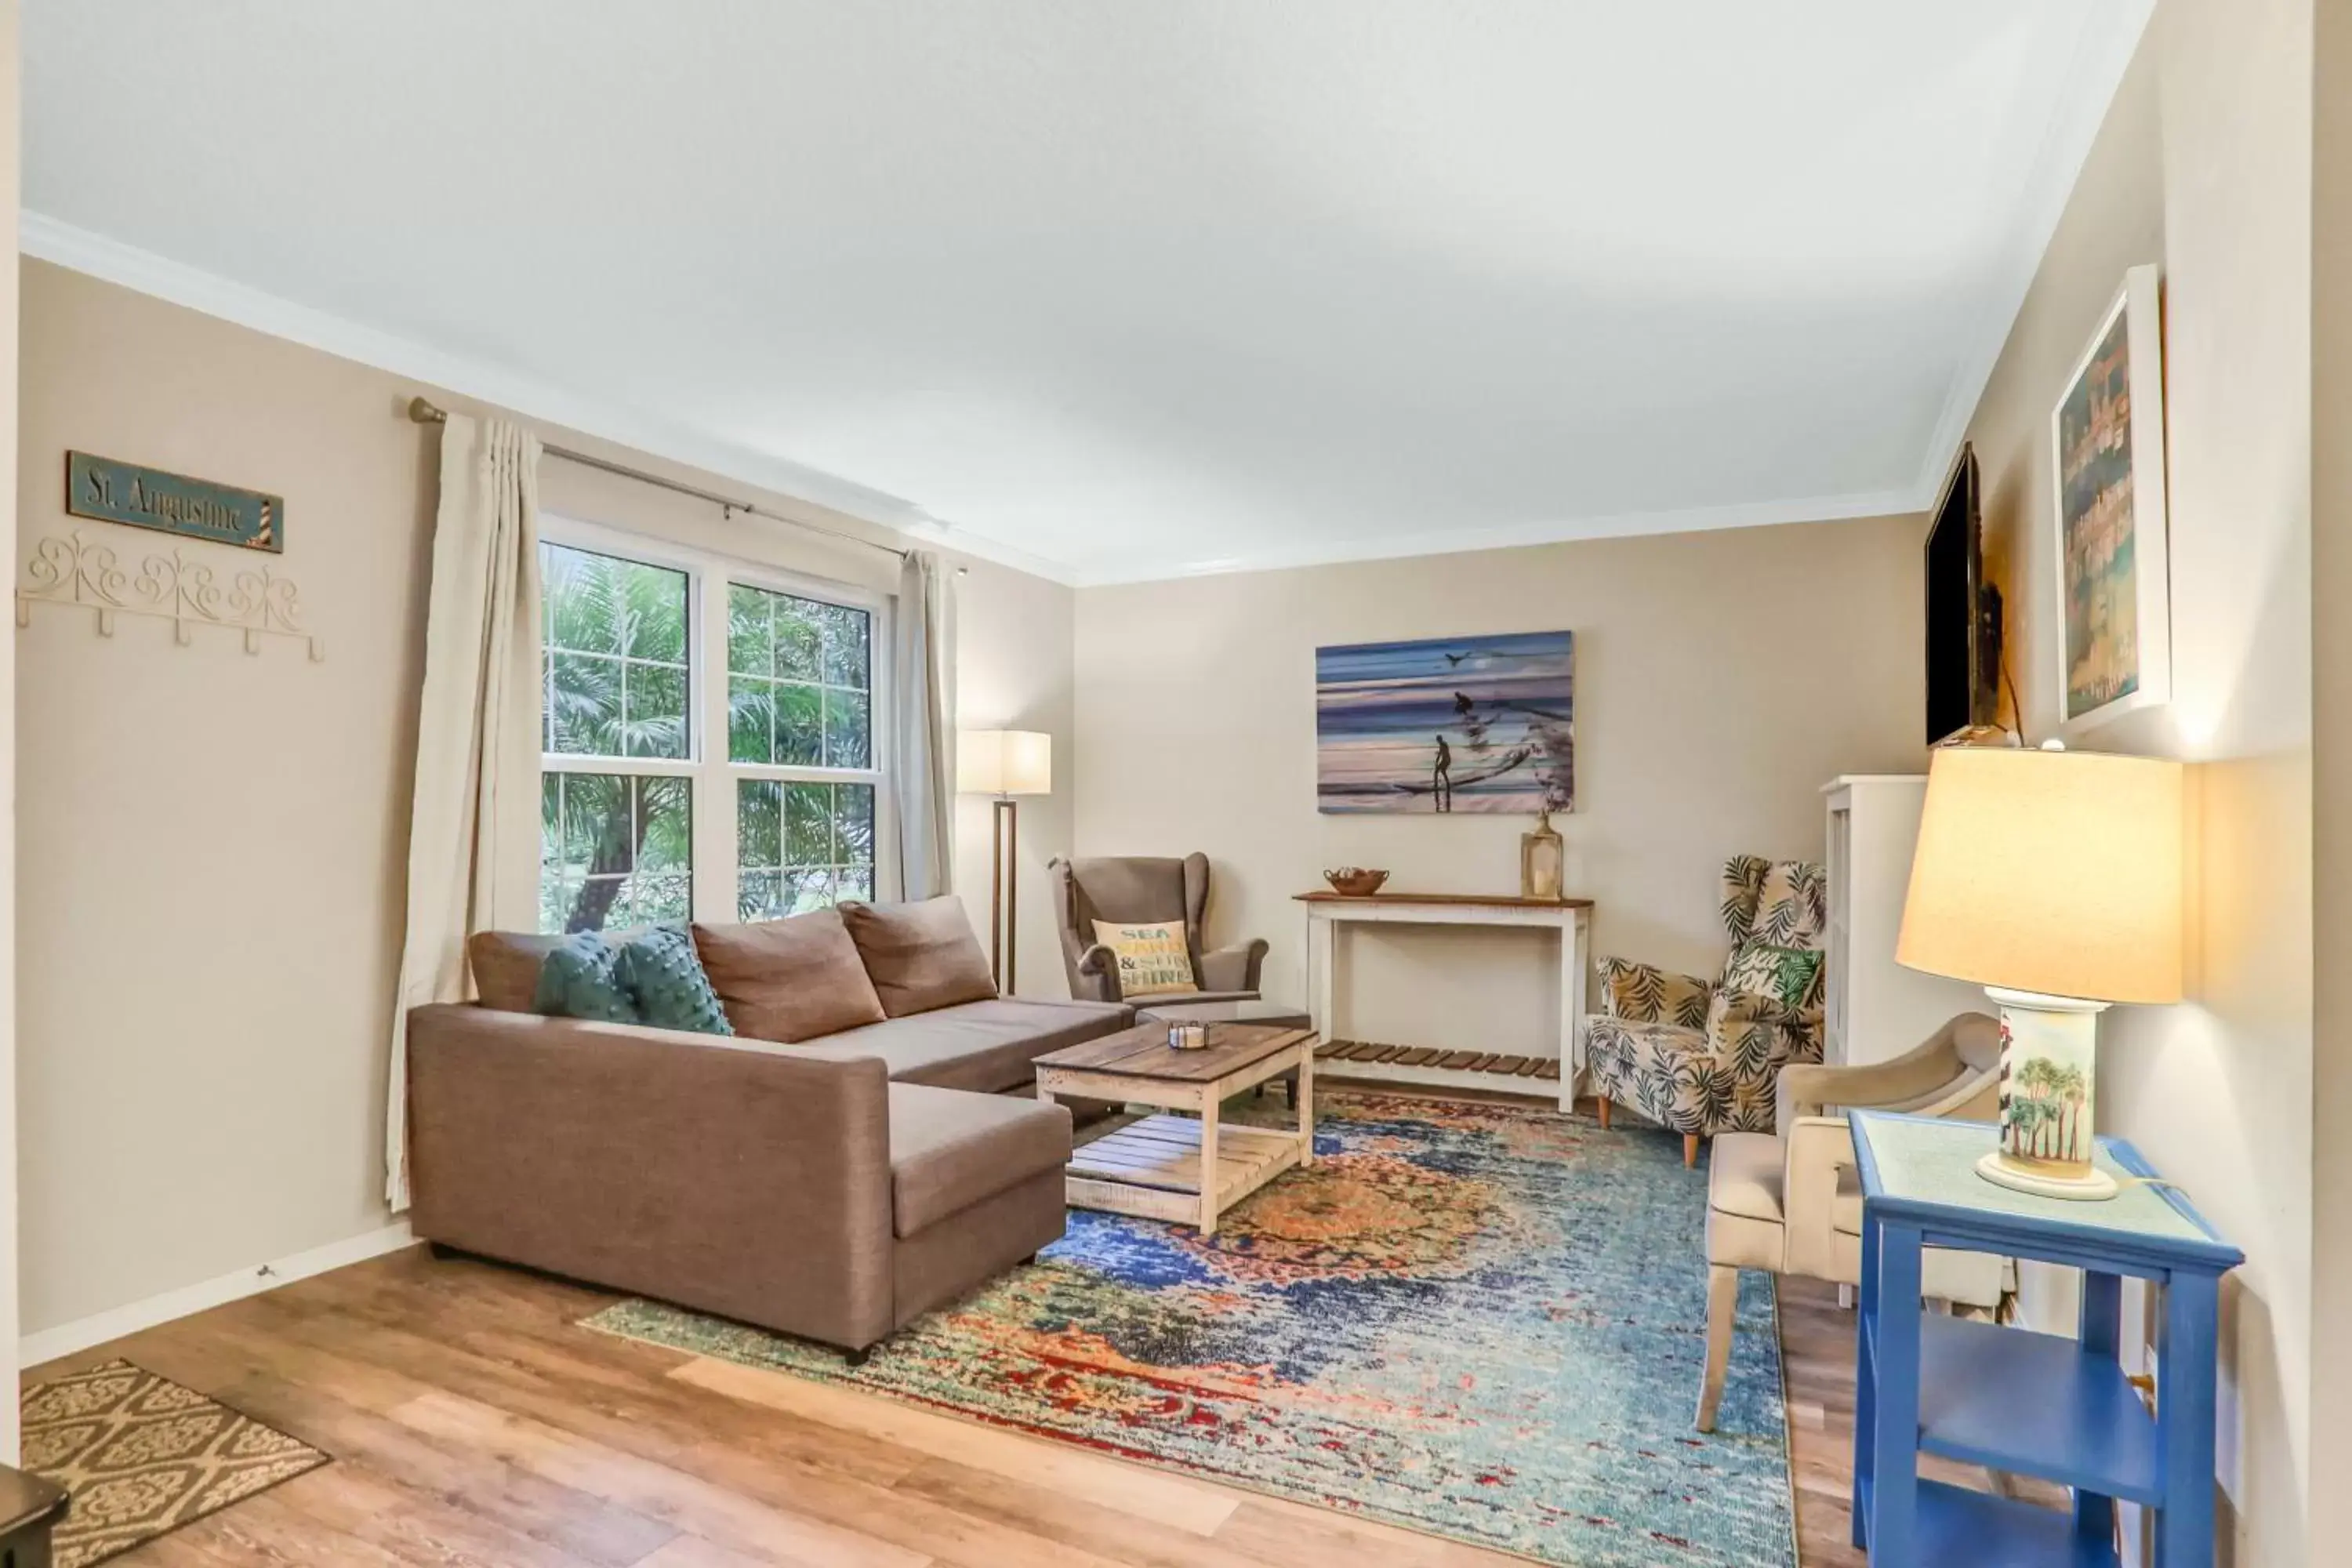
{"x":1005,"y":762}
{"x":2055,"y":872}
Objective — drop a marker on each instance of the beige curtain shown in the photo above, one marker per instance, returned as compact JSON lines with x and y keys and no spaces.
{"x":473,"y":839}
{"x":922,"y":639}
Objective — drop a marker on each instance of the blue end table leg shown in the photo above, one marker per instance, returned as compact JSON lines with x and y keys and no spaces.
{"x":2184,"y":1423}
{"x":1866,"y":1376}
{"x":2101,"y":1328}
{"x":1894,"y":1425}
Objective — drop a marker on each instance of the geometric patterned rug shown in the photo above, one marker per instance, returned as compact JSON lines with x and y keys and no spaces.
{"x":142,"y":1456}
{"x":1477,"y":1321}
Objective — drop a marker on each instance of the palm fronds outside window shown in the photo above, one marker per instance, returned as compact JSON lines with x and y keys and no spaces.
{"x":626,"y":773}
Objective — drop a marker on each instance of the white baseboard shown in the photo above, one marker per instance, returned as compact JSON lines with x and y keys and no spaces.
{"x":96,"y":1329}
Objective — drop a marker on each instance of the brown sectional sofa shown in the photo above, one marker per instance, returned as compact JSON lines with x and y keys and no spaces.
{"x":834,"y":1186}
{"x":986,"y":1047}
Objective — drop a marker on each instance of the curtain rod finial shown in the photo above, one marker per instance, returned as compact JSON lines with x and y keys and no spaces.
{"x":424,"y":413}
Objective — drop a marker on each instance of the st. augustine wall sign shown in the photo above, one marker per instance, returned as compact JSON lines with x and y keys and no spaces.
{"x":110,"y":491}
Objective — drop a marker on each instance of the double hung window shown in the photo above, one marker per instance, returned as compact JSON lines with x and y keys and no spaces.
{"x":709,"y":746}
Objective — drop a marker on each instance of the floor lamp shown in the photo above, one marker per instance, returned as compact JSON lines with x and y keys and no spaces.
{"x":1005,"y":763}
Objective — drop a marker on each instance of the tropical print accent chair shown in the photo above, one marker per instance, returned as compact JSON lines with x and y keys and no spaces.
{"x":1701,"y":1057}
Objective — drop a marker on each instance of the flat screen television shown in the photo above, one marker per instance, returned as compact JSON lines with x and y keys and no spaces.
{"x":1963,"y":611}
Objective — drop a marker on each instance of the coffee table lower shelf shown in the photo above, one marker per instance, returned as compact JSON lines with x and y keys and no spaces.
{"x":1152,"y":1169}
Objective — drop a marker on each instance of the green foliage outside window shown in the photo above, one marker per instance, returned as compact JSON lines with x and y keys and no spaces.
{"x":799,"y":694}
{"x":617,"y":849}
{"x":616,"y":657}
{"x":799,"y":678}
{"x":615,"y":852}
{"x":614,"y":849}
{"x":801,"y":846}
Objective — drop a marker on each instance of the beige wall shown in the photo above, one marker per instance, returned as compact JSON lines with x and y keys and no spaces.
{"x":2331,"y":585}
{"x":212,"y":844}
{"x":1721,"y":680}
{"x":2204,"y":165}
{"x":10,"y":167}
{"x":1022,"y":683}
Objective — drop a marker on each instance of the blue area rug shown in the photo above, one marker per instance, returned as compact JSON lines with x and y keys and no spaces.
{"x":1482,"y":1321}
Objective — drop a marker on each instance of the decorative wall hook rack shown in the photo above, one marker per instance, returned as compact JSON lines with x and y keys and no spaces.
{"x":70,"y":570}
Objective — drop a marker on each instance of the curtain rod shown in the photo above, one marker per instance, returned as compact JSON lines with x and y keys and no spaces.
{"x":424,"y":412}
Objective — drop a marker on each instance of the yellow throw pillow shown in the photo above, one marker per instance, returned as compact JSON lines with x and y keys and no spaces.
{"x":1152,"y":959}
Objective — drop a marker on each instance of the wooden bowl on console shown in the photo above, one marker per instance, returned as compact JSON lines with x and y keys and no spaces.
{"x":1355,"y":882}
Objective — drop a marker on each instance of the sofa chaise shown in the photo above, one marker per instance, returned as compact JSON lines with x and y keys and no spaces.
{"x":849,"y":1159}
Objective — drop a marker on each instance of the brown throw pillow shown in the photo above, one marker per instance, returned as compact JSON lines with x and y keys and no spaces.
{"x":506,"y":967}
{"x":921,"y":956}
{"x":788,"y":980}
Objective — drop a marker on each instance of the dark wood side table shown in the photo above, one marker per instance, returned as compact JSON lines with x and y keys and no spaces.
{"x":30,"y":1508}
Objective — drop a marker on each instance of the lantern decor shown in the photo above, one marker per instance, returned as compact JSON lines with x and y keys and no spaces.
{"x":1542,"y":857}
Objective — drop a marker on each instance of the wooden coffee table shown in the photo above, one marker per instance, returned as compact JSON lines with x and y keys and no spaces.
{"x":1154,"y":1169}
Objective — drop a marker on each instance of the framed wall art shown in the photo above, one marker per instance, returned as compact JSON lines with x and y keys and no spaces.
{"x":1482,"y":723}
{"x":2113,"y":584}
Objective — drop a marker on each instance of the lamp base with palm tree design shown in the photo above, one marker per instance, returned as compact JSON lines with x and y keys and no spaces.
{"x":2049,"y":1064}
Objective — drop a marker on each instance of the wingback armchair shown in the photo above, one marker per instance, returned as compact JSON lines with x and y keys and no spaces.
{"x":1700,"y":1056}
{"x":1134,"y":890}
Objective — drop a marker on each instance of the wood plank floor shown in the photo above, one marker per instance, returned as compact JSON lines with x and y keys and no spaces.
{"x":475,"y":1427}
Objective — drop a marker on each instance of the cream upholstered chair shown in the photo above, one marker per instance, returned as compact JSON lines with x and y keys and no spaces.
{"x":1790,"y":1200}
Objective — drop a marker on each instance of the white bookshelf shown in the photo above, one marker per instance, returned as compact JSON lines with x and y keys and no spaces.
{"x":1876,"y":1008}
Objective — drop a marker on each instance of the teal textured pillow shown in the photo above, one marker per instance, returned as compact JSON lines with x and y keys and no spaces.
{"x":662,"y":975}
{"x":580,"y":978}
{"x":1783,"y":973}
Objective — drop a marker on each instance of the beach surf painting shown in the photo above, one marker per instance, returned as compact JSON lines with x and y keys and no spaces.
{"x":1448,"y":724}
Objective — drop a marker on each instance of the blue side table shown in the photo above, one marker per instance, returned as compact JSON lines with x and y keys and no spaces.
{"x":2032,"y":1403}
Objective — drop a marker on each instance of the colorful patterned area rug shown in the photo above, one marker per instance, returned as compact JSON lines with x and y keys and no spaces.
{"x":1479,"y":1320}
{"x":142,"y":1456}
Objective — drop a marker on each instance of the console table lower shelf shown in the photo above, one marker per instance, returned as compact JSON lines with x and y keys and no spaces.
{"x":1436,"y":1066}
{"x":1330,"y":913}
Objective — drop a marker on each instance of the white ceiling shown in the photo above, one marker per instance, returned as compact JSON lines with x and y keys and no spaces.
{"x":1119,"y":287}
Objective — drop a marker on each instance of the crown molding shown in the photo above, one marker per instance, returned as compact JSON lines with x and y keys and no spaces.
{"x":2103,"y":52}
{"x":1566,"y":531}
{"x":62,"y":244}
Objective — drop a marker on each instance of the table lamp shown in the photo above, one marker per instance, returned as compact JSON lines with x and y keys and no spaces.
{"x":2053,"y":879}
{"x":1005,"y":763}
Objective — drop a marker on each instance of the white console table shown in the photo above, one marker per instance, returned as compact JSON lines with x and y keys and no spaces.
{"x":1572,"y":918}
